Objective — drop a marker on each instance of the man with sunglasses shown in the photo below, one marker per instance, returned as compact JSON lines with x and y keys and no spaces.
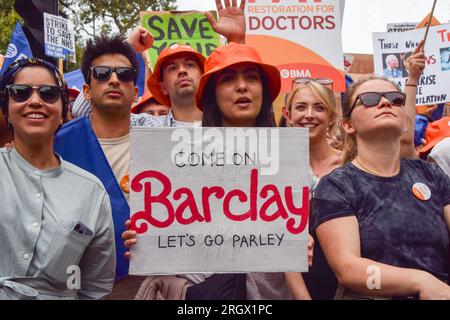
{"x":100,"y":143}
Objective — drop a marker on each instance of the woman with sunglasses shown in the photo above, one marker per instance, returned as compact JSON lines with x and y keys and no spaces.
{"x":311,"y":104}
{"x":56,"y":235}
{"x":383,"y":221}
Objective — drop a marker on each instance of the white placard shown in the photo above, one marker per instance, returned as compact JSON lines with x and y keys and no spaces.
{"x":219,"y":200}
{"x":301,"y":38}
{"x":434,"y":85}
{"x":59,"y":37}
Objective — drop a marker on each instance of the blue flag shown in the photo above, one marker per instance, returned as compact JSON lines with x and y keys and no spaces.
{"x":74,"y":79}
{"x":140,"y":82}
{"x":18,"y":48}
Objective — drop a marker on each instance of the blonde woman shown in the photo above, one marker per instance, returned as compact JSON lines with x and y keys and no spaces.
{"x":311,"y":104}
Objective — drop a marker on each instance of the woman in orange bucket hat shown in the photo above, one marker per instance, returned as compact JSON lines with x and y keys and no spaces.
{"x":237,"y":88}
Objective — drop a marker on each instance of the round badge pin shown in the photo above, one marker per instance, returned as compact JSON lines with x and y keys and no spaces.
{"x":125,"y":183}
{"x":421,"y":191}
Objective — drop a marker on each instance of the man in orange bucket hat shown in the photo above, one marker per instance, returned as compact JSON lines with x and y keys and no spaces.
{"x":174,"y":81}
{"x":177,"y":71}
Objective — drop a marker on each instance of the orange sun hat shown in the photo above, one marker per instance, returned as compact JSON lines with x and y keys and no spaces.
{"x":147,"y":96}
{"x":436,"y":131}
{"x":170,"y":52}
{"x":232,"y":54}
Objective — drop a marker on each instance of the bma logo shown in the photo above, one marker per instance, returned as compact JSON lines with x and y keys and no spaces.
{"x":11,"y":51}
{"x":300,"y":1}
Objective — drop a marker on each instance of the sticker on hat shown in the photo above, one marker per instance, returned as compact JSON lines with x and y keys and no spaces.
{"x":125,"y":183}
{"x":421,"y":191}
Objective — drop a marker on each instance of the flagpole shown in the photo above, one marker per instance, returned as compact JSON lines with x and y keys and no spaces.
{"x":428,"y":24}
{"x":60,"y":60}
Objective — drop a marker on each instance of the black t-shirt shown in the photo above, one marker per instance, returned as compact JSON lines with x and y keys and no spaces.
{"x":395,"y":227}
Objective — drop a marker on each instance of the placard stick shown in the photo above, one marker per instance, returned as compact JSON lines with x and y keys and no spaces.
{"x":428,"y":24}
{"x":60,"y":65}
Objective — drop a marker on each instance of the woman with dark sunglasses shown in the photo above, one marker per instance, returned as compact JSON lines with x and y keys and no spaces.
{"x":382,"y":220}
{"x":56,"y":235}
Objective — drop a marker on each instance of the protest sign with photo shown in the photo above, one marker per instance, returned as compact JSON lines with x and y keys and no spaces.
{"x":392,"y":49}
{"x":59,"y":37}
{"x":219,"y":200}
{"x":303,"y":39}
{"x":182,"y":27}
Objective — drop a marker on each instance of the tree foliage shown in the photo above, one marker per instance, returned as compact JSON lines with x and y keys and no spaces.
{"x":104,"y":16}
{"x":8,"y":19}
{"x":91,"y":18}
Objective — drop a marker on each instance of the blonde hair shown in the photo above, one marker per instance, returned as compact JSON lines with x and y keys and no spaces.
{"x":350,"y":147}
{"x":325,"y":96}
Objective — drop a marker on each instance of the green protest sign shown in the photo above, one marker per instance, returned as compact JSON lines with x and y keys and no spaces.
{"x":188,"y":27}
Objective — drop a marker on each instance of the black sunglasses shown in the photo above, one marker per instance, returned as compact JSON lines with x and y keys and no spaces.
{"x":23,"y":92}
{"x":372,"y":99}
{"x":103,"y":73}
{"x":323,"y":81}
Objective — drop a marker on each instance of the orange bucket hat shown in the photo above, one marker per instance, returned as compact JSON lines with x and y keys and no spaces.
{"x":436,"y":131}
{"x":145,"y":98}
{"x":154,"y":80}
{"x":232,"y":54}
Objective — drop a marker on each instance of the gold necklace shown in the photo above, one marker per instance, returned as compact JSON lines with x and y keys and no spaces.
{"x":376,"y":173}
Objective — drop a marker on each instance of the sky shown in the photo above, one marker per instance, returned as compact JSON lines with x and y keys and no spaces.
{"x":363,"y":17}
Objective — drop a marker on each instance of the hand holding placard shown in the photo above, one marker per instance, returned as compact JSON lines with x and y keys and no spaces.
{"x":128,"y":237}
{"x":416,"y":64}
